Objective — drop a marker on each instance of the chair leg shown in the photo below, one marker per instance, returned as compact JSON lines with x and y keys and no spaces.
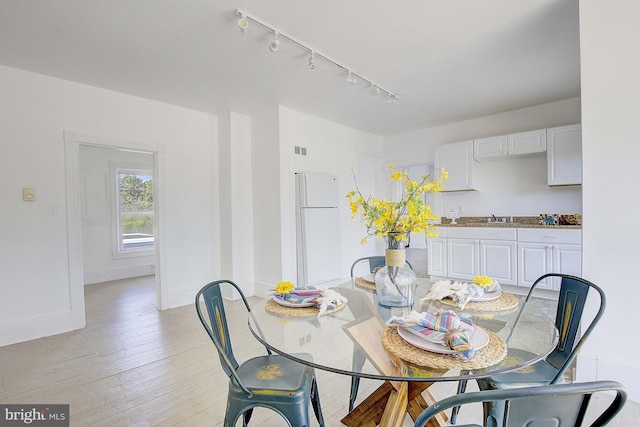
{"x":355,"y":383}
{"x":357,"y":362}
{"x":315,"y":402}
{"x":462,"y":386}
{"x":246,"y":417}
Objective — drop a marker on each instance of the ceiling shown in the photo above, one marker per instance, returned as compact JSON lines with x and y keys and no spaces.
{"x":448,"y":60}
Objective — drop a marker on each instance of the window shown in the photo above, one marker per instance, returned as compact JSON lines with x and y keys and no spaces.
{"x":135,"y":210}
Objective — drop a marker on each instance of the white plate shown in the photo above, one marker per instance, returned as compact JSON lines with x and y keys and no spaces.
{"x":487,"y":297}
{"x":286,"y":303}
{"x":371,"y":278}
{"x":479,"y":339}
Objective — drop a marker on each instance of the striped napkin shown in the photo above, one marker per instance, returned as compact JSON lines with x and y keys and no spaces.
{"x":443,"y":327}
{"x":326,"y":299}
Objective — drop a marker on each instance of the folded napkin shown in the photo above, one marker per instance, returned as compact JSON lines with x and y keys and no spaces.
{"x":302,"y":295}
{"x":326,"y":299}
{"x":460,"y":292}
{"x":329,"y":300}
{"x":444,"y":327}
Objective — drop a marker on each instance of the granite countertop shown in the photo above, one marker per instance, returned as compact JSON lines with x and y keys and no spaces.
{"x":518,"y":222}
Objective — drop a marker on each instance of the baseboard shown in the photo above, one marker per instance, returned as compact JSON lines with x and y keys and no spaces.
{"x":28,"y":330}
{"x":91,"y":277}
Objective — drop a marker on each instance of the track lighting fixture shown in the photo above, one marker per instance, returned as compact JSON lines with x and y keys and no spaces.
{"x":312,"y":61}
{"x":275,"y":44}
{"x":352,"y":77}
{"x":243,"y":23}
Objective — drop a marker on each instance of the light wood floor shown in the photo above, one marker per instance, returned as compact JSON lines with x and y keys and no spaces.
{"x":136,"y":366}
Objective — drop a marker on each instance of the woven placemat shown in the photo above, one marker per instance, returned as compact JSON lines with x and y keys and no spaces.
{"x":363,"y":284}
{"x":273,"y":307}
{"x":493,"y":353}
{"x":505,"y":302}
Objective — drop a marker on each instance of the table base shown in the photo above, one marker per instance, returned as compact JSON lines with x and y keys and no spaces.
{"x":388,"y":406}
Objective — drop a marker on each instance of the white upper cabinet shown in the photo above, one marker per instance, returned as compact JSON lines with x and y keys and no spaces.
{"x":457,"y":159}
{"x":525,"y":143}
{"x":505,"y":146}
{"x":493,"y":147}
{"x":564,"y":155}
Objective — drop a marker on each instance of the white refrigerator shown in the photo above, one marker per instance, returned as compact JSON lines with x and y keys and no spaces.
{"x":318,"y":253}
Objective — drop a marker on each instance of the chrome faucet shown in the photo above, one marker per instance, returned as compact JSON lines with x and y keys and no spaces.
{"x":494,"y":218}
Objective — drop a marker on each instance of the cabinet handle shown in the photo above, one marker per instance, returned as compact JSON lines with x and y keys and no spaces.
{"x":550,"y":237}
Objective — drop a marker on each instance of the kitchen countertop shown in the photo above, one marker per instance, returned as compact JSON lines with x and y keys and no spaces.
{"x":518,"y":222}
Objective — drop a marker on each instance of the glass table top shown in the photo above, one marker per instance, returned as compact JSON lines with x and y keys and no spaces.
{"x":341,"y":341}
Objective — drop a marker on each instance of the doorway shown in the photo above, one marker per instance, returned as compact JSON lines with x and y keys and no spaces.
{"x":96,"y":250}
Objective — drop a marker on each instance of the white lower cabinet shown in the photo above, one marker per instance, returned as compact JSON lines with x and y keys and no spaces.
{"x":482,"y":251}
{"x":498,"y":260}
{"x":463,"y":258}
{"x":511,"y":256}
{"x":542,"y":251}
{"x":437,"y":256}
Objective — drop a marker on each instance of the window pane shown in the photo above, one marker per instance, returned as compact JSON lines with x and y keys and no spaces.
{"x":135,"y":211}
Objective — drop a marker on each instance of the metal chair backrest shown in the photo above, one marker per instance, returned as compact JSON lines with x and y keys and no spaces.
{"x":556,"y":404}
{"x":215,"y":323}
{"x":571,"y":302}
{"x":374,"y":263}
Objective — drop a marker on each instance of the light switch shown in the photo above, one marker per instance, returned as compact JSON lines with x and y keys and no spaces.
{"x":28,"y":194}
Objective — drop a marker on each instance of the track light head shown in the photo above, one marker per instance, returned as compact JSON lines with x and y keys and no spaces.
{"x":275,"y":44}
{"x":392,"y":98}
{"x":351,"y":78}
{"x":312,"y":61}
{"x":243,"y":23}
{"x":375,"y":89}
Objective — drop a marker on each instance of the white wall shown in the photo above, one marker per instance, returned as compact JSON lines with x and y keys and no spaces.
{"x":265,"y":166}
{"x":331,"y":148}
{"x":236,"y":202}
{"x":610,"y":42}
{"x":505,"y":187}
{"x":98,"y":214}
{"x":37,"y":289}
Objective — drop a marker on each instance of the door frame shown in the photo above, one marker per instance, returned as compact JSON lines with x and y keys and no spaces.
{"x":73,"y":140}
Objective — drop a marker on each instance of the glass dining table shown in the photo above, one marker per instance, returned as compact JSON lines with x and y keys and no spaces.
{"x":354,"y":339}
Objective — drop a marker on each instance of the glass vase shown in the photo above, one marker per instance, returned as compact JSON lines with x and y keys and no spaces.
{"x":396,"y":281}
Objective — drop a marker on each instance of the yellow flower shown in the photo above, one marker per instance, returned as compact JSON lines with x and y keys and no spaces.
{"x":408,"y":215}
{"x":484,"y":281}
{"x":284,"y":288}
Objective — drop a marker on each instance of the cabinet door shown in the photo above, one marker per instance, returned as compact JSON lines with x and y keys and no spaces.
{"x":462,"y":258}
{"x":457,"y":159}
{"x":564,"y":155}
{"x":534,"y":260}
{"x":498,"y":260}
{"x":567,"y":259}
{"x":531,"y":142}
{"x":437,"y":257}
{"x":493,"y":147}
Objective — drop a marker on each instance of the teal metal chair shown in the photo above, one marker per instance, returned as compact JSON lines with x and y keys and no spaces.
{"x":270,"y":381}
{"x":359,"y":358}
{"x":374,"y":263}
{"x":571,"y":301}
{"x":550,"y":405}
